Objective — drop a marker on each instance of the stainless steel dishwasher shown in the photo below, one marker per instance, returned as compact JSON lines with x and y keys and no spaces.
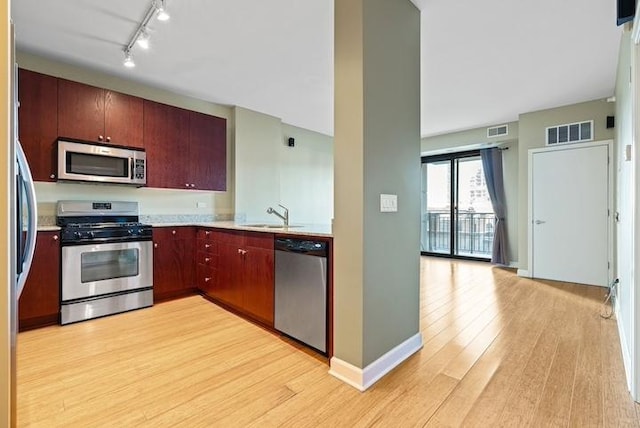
{"x":301,"y":291}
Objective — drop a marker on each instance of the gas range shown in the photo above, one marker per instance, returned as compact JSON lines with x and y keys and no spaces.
{"x":86,"y":221}
{"x":106,"y":259}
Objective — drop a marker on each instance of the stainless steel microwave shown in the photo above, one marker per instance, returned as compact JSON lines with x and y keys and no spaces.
{"x":101,"y":163}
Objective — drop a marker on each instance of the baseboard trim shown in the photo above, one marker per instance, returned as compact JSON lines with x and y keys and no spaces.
{"x":362,"y":379}
{"x":524,"y":273}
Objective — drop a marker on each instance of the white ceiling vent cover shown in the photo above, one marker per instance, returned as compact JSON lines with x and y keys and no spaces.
{"x":570,"y":133}
{"x":497,"y":131}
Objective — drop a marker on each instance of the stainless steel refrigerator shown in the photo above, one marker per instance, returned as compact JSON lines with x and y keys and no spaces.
{"x":24,"y":225}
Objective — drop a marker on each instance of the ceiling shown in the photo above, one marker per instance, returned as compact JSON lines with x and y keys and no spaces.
{"x":483,"y":62}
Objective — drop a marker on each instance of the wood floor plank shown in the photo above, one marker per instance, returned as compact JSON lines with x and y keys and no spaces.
{"x":499,"y":350}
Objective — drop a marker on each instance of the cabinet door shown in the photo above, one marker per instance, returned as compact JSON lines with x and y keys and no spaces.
{"x":123,"y":119}
{"x":39,"y":303}
{"x":38,"y":122}
{"x":228,"y":281}
{"x":166,"y":135}
{"x":173,"y":268}
{"x":258,"y":285}
{"x":80,"y":111}
{"x":208,"y":151}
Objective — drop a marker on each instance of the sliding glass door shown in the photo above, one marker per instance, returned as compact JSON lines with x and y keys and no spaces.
{"x":457,"y":217}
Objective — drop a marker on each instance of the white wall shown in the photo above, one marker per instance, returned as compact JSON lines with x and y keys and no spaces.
{"x":624,"y":203}
{"x":269,"y":172}
{"x":306,"y":175}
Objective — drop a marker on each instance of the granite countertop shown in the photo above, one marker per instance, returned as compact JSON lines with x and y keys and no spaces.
{"x":294,"y":229}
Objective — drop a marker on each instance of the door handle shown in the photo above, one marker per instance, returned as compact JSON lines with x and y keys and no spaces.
{"x":540,"y":221}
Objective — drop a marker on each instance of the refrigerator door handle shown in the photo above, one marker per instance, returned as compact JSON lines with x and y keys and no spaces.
{"x":32,"y":216}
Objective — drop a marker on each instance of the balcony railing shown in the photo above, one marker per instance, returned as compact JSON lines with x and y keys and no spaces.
{"x":473,"y":233}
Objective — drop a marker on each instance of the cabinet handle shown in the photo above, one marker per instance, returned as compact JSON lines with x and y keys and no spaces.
{"x":173,"y":232}
{"x":242,"y":252}
{"x":55,"y":237}
{"x":100,"y":138}
{"x":155,"y":245}
{"x":193,"y":185}
{"x":207,"y":245}
{"x":52,"y":176}
{"x":207,"y":232}
{"x":207,"y":259}
{"x":186,"y":184}
{"x":109,"y":139}
{"x":207,"y":279}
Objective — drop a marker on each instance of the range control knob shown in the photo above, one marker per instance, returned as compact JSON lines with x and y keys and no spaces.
{"x":91,"y":234}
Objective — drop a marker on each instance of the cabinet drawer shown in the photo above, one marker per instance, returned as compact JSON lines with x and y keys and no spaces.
{"x":178,"y":232}
{"x":259,"y":240}
{"x":206,"y":259}
{"x":205,"y":234}
{"x":205,"y":277}
{"x":208,"y":247}
{"x":242,"y":239}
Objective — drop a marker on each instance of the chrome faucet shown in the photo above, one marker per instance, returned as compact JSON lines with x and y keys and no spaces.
{"x":284,"y":217}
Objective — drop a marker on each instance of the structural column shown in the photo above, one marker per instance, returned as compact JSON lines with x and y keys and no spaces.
{"x":377,"y":152}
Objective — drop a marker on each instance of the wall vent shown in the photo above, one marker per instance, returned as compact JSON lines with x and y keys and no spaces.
{"x":570,"y":133}
{"x":497,"y":131}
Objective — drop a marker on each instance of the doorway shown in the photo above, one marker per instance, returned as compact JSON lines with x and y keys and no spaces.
{"x":570,"y":211}
{"x":457,"y":215}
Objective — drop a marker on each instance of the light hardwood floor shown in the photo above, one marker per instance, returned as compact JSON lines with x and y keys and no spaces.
{"x":498,"y":351}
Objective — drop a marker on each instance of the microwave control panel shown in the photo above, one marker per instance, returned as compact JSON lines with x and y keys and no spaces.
{"x":138,"y":169}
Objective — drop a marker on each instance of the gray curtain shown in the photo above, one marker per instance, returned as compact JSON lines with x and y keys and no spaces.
{"x":492,"y":165}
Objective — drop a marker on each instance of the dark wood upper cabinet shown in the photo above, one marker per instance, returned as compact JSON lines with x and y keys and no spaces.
{"x":123,"y":119}
{"x":95,"y":114}
{"x":39,"y":303}
{"x":185,"y":149}
{"x":166,"y":135}
{"x":208,"y":151}
{"x":38,"y":122}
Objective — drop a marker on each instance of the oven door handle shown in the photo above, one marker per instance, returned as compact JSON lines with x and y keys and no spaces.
{"x":133,"y":163}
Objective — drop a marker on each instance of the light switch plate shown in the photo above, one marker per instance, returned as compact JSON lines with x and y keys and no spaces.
{"x":627,"y":152}
{"x":201,"y":204}
{"x":388,"y":203}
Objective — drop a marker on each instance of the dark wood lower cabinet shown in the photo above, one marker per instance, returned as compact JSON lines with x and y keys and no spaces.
{"x":39,"y":303}
{"x":243,"y":272}
{"x":173,"y":262}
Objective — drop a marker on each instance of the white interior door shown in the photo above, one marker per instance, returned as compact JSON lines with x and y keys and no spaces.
{"x":570,"y":225}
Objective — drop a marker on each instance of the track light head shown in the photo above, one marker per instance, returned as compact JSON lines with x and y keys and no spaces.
{"x":143,"y":40}
{"x":128,"y":61}
{"x":162,"y":11}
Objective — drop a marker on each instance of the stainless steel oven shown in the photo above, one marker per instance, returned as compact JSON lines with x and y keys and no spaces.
{"x":107,"y":260}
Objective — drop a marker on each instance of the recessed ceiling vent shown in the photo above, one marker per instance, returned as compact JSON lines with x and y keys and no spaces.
{"x":497,"y":131}
{"x":570,"y":133}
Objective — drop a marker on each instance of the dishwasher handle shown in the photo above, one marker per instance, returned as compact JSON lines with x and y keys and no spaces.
{"x":301,"y":246}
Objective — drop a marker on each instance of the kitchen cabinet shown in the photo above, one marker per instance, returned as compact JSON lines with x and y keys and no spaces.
{"x":95,"y":114}
{"x":244,"y":267}
{"x":185,"y":149}
{"x":166,"y":135}
{"x":173,"y":267}
{"x":207,"y":151}
{"x":39,"y":303}
{"x":38,"y":122}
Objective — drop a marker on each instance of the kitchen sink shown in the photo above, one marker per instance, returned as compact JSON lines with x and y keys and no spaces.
{"x":269,"y":226}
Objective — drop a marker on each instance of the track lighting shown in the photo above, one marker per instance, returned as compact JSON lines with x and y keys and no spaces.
{"x":143,"y":40}
{"x":162,"y":12}
{"x":158,"y":9}
{"x":128,"y":61}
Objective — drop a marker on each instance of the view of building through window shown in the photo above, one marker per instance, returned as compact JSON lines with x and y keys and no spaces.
{"x":473,"y":218}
